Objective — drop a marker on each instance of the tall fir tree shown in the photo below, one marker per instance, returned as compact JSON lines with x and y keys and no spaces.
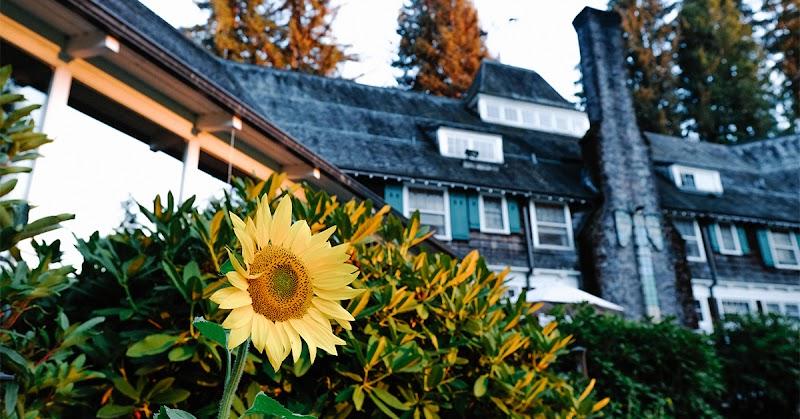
{"x":725,"y":88}
{"x":651,"y":39}
{"x":286,"y":34}
{"x":441,"y":46}
{"x":782,"y":41}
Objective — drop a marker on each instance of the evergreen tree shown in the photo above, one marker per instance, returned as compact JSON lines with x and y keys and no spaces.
{"x":286,"y":34}
{"x":725,"y":88}
{"x":651,"y":42}
{"x":782,"y":41}
{"x":441,"y":46}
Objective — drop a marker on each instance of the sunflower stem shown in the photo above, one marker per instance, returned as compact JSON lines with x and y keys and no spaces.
{"x":232,"y":384}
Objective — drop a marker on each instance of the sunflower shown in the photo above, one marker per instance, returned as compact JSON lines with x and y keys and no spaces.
{"x":289,"y":286}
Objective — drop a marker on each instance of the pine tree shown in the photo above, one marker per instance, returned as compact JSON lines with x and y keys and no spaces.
{"x":286,"y":34}
{"x":441,"y":46}
{"x":725,"y":87}
{"x":782,"y":41}
{"x":651,"y":42}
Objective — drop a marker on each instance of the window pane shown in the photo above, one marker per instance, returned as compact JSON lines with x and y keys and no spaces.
{"x":773,"y":308}
{"x":528,"y":117}
{"x":792,"y":310}
{"x":785,"y":257}
{"x":436,"y":221}
{"x":484,"y":148}
{"x":686,"y":228}
{"x":553,"y":236}
{"x":493,"y":212}
{"x":726,"y":232}
{"x":456,"y":145}
{"x":781,"y":239}
{"x":561,"y":123}
{"x":426,"y":200}
{"x":492,"y":111}
{"x":550,"y":213}
{"x":735,"y":307}
{"x":687,"y":180}
{"x":698,"y":309}
{"x":510,"y":114}
{"x":692,"y":249}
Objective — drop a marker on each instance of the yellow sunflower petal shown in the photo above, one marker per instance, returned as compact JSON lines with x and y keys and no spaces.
{"x":332,"y":282}
{"x":345,"y":324}
{"x":237,"y":280}
{"x":291,"y":234}
{"x":239,"y":317}
{"x":248,"y":246}
{"x":302,"y":330}
{"x":331,"y":309}
{"x":231,"y":297}
{"x":238,"y":336}
{"x":236,"y":220}
{"x":301,"y":238}
{"x":343,"y":293}
{"x":273,"y":346}
{"x":263,"y":222}
{"x":281,"y":220}
{"x":284,"y":337}
{"x":294,"y":341}
{"x":259,"y":332}
{"x":320,"y":238}
{"x":237,"y":266}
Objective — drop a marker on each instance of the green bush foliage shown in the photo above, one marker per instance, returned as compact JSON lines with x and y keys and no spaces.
{"x":760,"y":358}
{"x":650,"y":370}
{"x":42,"y":369}
{"x":433,"y":337}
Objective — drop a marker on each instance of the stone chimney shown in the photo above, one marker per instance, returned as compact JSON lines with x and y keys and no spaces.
{"x":629,"y":257}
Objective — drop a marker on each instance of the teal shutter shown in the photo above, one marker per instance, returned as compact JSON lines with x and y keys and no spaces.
{"x":393,"y":195}
{"x":459,"y":216}
{"x":763,"y":246}
{"x":743,"y":240}
{"x":513,"y":216}
{"x":472,"y":211}
{"x":712,"y":237}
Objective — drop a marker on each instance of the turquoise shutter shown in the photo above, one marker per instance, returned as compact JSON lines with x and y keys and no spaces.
{"x":472,"y":210}
{"x":393,"y":195}
{"x":743,"y":240}
{"x":459,"y":216}
{"x":763,"y":246}
{"x":712,"y":237}
{"x":513,"y":216}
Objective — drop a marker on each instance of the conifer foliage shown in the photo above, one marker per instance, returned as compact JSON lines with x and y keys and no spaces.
{"x":782,"y":41}
{"x":441,"y":46}
{"x":286,"y":34}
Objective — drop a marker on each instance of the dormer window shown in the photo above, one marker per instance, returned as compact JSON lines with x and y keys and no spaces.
{"x":470,"y":145}
{"x":693,"y":179}
{"x":517,"y":113}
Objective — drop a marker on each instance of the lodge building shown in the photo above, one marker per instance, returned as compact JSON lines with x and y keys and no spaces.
{"x":565,"y":198}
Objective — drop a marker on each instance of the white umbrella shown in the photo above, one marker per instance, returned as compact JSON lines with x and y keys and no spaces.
{"x":558,"y":293}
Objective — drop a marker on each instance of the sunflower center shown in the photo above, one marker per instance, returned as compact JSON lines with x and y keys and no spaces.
{"x":282,"y":288}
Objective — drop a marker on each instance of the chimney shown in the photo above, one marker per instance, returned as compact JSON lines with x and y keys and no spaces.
{"x":629,"y":260}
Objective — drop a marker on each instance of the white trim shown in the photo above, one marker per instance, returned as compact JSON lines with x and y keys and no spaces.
{"x":795,"y":248}
{"x":446,"y":236}
{"x":503,"y":209}
{"x":567,"y":224}
{"x":698,"y":237}
{"x":737,"y":248}
{"x":539,"y":117}
{"x":443,"y":134}
{"x":704,"y":180}
{"x":191,"y":162}
{"x":750,"y":292}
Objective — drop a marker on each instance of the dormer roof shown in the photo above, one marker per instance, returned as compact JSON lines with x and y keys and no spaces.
{"x":497,"y":79}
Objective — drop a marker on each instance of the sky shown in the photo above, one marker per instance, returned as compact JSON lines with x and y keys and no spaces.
{"x":534,"y":34}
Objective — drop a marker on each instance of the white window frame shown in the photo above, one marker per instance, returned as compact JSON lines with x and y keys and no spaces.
{"x":443,"y":135}
{"x":705,"y":180}
{"x":698,"y":236}
{"x":773,"y":247}
{"x":504,"y":209}
{"x":737,"y":250}
{"x":535,"y":227}
{"x":577,"y":123}
{"x":446,"y":235}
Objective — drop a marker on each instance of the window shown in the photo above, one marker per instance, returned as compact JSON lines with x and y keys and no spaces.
{"x":773,"y":308}
{"x":690,"y":232}
{"x":739,"y":307}
{"x":728,"y":239}
{"x":696,"y":180}
{"x":467,"y":144}
{"x":433,"y":208}
{"x":493,"y":214}
{"x":784,"y":248}
{"x":529,"y":115}
{"x":698,"y":310}
{"x":552,"y":226}
{"x":792,"y":311}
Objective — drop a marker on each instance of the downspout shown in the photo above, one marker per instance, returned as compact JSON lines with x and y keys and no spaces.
{"x":712,"y":268}
{"x":526,"y":224}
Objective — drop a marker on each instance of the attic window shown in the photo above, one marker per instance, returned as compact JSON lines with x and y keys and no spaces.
{"x":517,"y":113}
{"x":470,"y":145}
{"x":696,"y":180}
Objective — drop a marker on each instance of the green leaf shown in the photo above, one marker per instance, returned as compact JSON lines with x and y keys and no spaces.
{"x":114,"y":411}
{"x":11,"y":390}
{"x":211,"y":331}
{"x":126,"y":388}
{"x":226,"y":267}
{"x":171,"y":396}
{"x":481,"y":385}
{"x":14,"y":357}
{"x":358,"y":397}
{"x":385,"y":409}
{"x":160,"y":386}
{"x":389,"y":399}
{"x":434,"y":377}
{"x":7,"y":187}
{"x":181,"y":353}
{"x":266,"y":405}
{"x":167,"y":413}
{"x":151,"y":345}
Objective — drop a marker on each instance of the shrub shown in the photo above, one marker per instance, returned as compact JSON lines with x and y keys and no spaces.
{"x":433,"y":335}
{"x":648,"y":369}
{"x":760,"y":358}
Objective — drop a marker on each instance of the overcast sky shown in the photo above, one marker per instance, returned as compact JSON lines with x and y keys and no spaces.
{"x":534,"y":34}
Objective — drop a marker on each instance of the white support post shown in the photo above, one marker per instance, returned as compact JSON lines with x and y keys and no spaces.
{"x":52,"y":112}
{"x":191,"y":162}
